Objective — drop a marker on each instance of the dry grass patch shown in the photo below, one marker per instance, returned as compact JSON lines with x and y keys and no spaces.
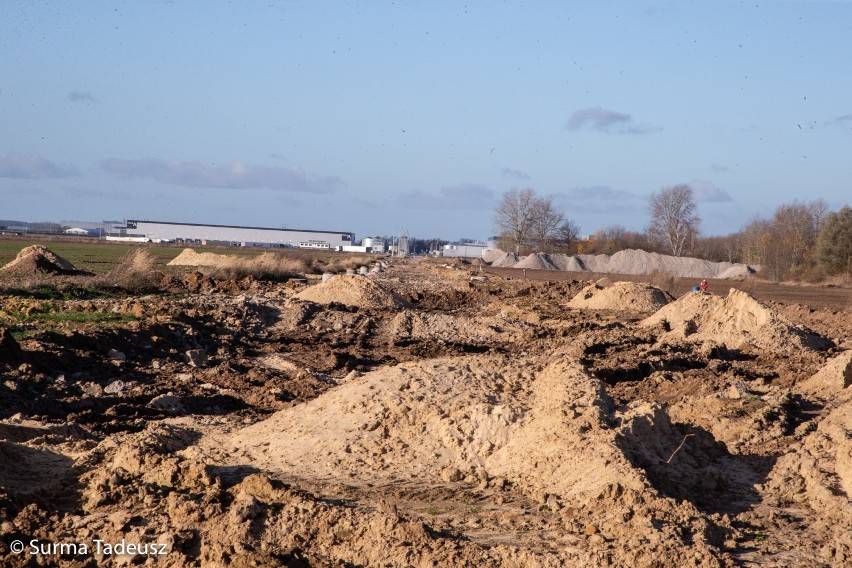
{"x":135,"y":272}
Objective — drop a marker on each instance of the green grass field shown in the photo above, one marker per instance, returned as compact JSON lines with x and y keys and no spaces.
{"x":101,"y":256}
{"x":93,"y":256}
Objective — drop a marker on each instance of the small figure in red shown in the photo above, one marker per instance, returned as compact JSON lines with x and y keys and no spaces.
{"x":703,"y":285}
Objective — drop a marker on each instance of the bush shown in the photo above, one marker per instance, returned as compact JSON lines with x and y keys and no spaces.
{"x":267,"y":266}
{"x":834,"y":246}
{"x":134,"y":273}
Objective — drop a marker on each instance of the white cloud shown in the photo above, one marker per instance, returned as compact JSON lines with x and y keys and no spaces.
{"x":236,"y":175}
{"x":844,"y":120}
{"x":608,"y":121}
{"x":598,"y":199}
{"x":464,"y":196}
{"x":515,"y":174}
{"x":82,"y":97}
{"x":707,"y":191}
{"x":32,"y":166}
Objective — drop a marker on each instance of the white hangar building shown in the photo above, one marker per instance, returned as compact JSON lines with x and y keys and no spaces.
{"x":159,"y":231}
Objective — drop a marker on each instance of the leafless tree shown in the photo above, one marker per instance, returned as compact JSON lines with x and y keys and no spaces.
{"x":567,"y":236}
{"x":526,"y":220}
{"x":547,"y":219}
{"x":674,"y":220}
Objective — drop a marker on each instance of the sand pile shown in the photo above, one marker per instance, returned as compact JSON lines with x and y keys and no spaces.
{"x":623,"y":296}
{"x":357,"y":291}
{"x":640,"y":262}
{"x":544,"y":427}
{"x":833,"y":378}
{"x":629,"y":262}
{"x":567,"y":262}
{"x":38,"y":259}
{"x":442,"y":419}
{"x":536,"y":261}
{"x":506,"y":260}
{"x":188,"y":257}
{"x":490,"y":255}
{"x":735,"y":321}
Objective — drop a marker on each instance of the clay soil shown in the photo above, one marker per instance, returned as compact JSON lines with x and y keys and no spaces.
{"x":439,"y":416}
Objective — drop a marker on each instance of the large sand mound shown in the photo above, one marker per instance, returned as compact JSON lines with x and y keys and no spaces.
{"x":567,"y":262}
{"x":490,"y":255}
{"x":628,"y":261}
{"x":39,"y":259}
{"x":352,"y":290}
{"x":506,"y":259}
{"x":632,"y":261}
{"x":543,"y":426}
{"x":734,"y":321}
{"x":625,"y":296}
{"x":536,"y":261}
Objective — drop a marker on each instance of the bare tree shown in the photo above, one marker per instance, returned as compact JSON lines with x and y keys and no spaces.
{"x":514,"y":216}
{"x":674,"y":220}
{"x":526,"y":220}
{"x":567,"y":235}
{"x":546,"y":222}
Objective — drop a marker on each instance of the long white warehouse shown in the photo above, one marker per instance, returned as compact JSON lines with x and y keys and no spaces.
{"x":245,"y":236}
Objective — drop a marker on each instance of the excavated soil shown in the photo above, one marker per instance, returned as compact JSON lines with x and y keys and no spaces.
{"x":425,"y":415}
{"x":623,"y":296}
{"x":37,"y":259}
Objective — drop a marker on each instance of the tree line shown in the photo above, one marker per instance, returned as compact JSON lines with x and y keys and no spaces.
{"x":800,"y":241}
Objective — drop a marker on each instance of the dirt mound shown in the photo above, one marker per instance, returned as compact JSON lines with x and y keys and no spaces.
{"x":357,"y":291}
{"x":817,"y":478}
{"x":505,"y":260}
{"x":188,"y":257}
{"x":490,"y":255}
{"x":539,"y":426}
{"x":734,"y":321}
{"x":567,"y":262}
{"x":835,"y":376}
{"x":536,"y":261}
{"x":624,"y":296}
{"x":38,"y":259}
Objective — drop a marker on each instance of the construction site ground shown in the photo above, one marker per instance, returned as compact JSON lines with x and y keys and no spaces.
{"x":430,"y":414}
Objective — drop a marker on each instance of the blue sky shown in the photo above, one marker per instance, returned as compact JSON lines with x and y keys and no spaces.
{"x":371,"y":116}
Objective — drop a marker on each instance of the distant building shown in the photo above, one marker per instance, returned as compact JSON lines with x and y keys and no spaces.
{"x":196,"y":233}
{"x":464,"y":250}
{"x":376,"y":244}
